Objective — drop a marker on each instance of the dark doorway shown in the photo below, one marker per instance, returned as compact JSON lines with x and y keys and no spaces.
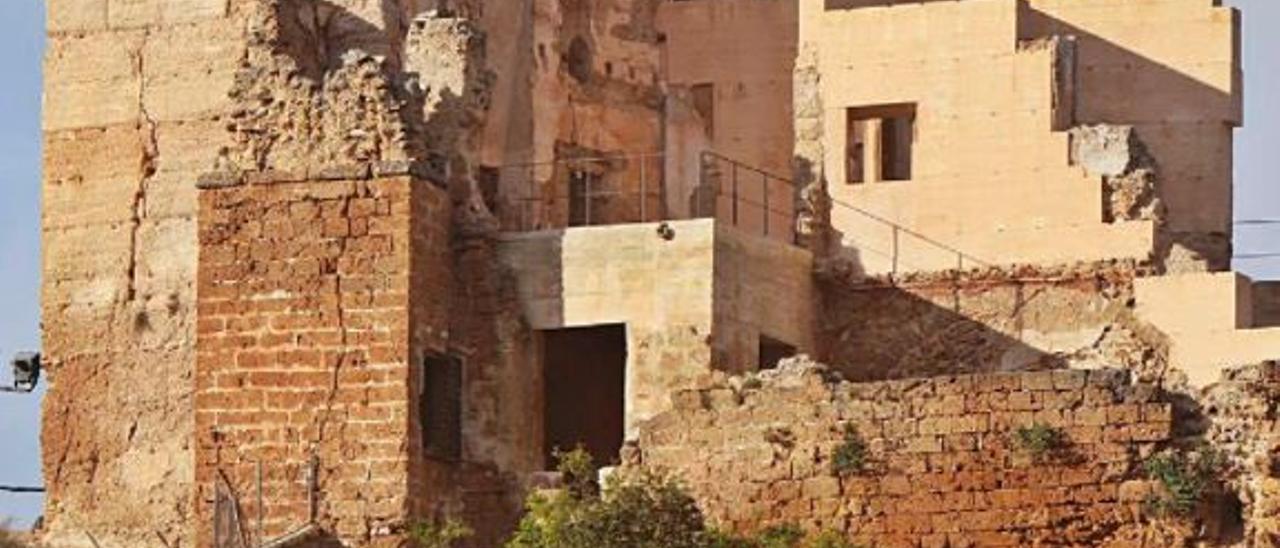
{"x":773,"y":351}
{"x":585,"y":376}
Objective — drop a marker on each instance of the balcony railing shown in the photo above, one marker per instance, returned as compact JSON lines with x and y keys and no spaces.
{"x":640,"y":188}
{"x":651,"y":187}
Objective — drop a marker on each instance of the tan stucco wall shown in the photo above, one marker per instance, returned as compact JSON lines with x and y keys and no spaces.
{"x":746,"y":49}
{"x":663,"y":290}
{"x":992,"y":177}
{"x":761,"y":288}
{"x":1208,"y":318}
{"x":625,"y":274}
{"x":1171,"y":68}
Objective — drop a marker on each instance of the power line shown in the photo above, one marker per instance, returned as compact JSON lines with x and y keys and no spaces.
{"x":15,"y":489}
{"x":1258,"y":222}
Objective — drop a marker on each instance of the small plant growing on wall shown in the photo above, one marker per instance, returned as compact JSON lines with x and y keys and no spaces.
{"x":439,"y":534}
{"x":850,"y":457}
{"x":1041,"y":441}
{"x":1185,"y":477}
{"x":780,"y":536}
{"x":830,"y":539}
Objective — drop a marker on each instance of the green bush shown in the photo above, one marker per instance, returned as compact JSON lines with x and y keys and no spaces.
{"x":1039,"y":440}
{"x":1185,"y":477}
{"x":636,"y":509}
{"x":850,"y":457}
{"x":439,"y":534}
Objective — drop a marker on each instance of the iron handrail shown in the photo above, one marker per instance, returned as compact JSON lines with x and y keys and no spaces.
{"x":897,"y":229}
{"x":726,"y":177}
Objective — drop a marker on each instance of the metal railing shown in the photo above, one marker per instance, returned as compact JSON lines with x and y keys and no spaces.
{"x":585,"y":191}
{"x":901,"y":238}
{"x":743,"y":184}
{"x":639,"y":188}
{"x":747,"y":196}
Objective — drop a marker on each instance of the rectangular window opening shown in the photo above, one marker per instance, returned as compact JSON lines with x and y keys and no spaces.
{"x":704,"y":103}
{"x":585,"y":196}
{"x":880,"y":141}
{"x":440,"y":408}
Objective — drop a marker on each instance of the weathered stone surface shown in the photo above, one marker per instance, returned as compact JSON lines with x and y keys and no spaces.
{"x":942,"y":465}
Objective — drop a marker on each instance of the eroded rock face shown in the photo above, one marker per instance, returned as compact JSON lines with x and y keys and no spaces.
{"x":1240,"y":417}
{"x":296,"y":113}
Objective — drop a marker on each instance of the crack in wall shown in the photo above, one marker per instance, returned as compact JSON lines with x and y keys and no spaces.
{"x":146,"y":126}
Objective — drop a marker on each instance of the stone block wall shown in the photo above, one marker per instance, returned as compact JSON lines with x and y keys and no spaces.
{"x":305,"y":351}
{"x":943,"y":469}
{"x":133,"y":92}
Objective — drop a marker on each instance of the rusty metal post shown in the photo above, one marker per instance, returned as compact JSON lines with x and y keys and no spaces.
{"x":586,"y":197}
{"x":895,"y":249}
{"x":644,"y":194}
{"x":733,"y":167}
{"x":765,"y":177}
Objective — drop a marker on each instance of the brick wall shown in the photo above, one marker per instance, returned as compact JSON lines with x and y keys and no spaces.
{"x":305,"y":348}
{"x":943,"y":469}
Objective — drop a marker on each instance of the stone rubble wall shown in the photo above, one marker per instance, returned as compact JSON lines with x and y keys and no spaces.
{"x":942,"y":470}
{"x":1240,"y":416}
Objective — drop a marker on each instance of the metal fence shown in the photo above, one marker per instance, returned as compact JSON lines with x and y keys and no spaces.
{"x":583,"y":191}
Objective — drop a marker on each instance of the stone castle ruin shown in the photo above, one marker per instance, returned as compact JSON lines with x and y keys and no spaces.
{"x":317,"y":270}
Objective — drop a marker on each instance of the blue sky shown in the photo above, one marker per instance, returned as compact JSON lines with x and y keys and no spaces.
{"x":21,"y":43}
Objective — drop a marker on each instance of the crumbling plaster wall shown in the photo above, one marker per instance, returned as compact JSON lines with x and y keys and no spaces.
{"x":139,"y":99}
{"x":134,"y":98}
{"x":1238,"y":415}
{"x":942,"y":467}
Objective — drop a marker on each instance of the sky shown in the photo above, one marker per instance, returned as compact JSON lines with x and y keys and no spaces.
{"x":22,"y":41}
